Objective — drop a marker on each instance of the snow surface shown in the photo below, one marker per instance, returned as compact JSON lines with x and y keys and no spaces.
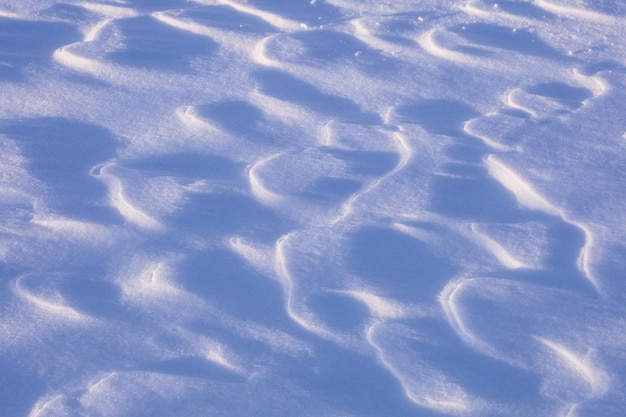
{"x":312,"y":208}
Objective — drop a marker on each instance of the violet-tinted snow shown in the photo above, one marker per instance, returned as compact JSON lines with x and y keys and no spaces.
{"x":312,"y":208}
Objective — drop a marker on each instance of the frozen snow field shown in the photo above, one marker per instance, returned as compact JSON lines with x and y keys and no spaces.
{"x":310,"y":208}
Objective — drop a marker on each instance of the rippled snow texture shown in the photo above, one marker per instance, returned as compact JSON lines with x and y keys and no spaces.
{"x":312,"y":208}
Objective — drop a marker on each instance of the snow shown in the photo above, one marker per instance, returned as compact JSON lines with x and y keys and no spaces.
{"x":312,"y":208}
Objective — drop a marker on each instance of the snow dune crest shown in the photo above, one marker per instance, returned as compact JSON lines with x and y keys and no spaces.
{"x":573,"y":12}
{"x":524,"y":192}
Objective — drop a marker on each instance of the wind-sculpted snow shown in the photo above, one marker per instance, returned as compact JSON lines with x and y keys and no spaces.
{"x":298,"y":208}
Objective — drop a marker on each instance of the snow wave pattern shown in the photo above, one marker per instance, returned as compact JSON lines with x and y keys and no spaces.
{"x":229,"y":207}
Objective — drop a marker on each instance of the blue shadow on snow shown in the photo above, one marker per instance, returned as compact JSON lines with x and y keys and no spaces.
{"x":152,"y":44}
{"x":236,"y":117}
{"x":186,"y":166}
{"x":397,"y":264}
{"x":440,"y":117}
{"x":284,"y":86}
{"x":227,"y":18}
{"x":302,"y":11}
{"x":19,"y":388}
{"x":25,"y":42}
{"x":60,"y":153}
{"x":506,"y":38}
{"x":565,"y":94}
